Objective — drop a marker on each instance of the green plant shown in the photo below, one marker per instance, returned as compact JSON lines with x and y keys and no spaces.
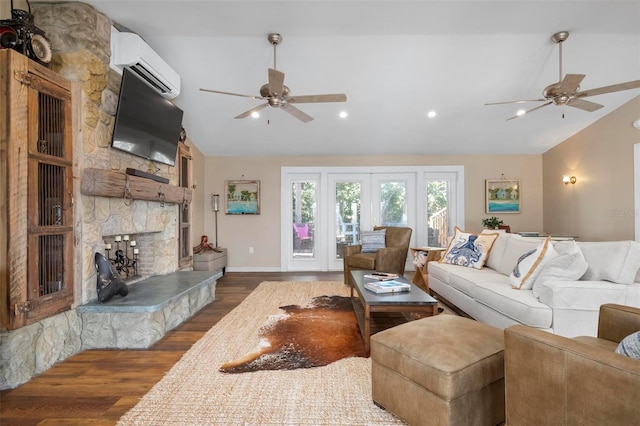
{"x":492,"y":222}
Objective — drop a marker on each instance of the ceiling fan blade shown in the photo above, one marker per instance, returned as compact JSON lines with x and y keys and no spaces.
{"x":232,"y":94}
{"x":583,"y":104}
{"x":570,"y":83}
{"x":304,"y":117}
{"x":276,"y":82}
{"x":524,"y":101}
{"x":531,"y":110}
{"x":609,"y":89}
{"x":305,"y":99}
{"x":251,"y":111}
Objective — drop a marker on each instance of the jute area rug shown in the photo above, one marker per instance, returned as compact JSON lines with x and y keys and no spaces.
{"x":194,"y":392}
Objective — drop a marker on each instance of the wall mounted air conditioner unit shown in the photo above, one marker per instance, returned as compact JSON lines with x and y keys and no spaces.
{"x":129,"y":50}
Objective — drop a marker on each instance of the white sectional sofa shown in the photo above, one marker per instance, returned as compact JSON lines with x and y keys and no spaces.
{"x":566,"y":292}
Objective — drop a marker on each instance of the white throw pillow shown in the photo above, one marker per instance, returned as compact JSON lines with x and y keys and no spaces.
{"x":516,"y":247}
{"x":565,"y":267}
{"x":530,"y":264}
{"x":498,"y":248}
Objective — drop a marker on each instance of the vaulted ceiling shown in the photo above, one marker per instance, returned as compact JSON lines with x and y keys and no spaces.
{"x":396,"y":61}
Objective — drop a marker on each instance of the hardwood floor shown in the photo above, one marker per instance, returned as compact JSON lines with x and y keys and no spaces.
{"x":99,"y":386}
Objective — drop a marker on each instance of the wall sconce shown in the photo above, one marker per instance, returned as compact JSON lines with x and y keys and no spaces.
{"x":569,"y":180}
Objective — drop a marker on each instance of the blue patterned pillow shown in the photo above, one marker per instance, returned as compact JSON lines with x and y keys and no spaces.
{"x":373,"y":241}
{"x":467,"y":249}
{"x":630,"y":346}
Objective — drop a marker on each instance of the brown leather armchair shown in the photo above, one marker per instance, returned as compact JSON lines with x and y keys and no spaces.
{"x":392,"y":258}
{"x":552,"y":379}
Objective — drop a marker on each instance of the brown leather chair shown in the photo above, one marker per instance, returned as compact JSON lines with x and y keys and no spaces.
{"x":392,"y":258}
{"x":551,"y":379}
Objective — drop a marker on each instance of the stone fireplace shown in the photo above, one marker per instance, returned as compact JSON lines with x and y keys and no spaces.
{"x":80,"y":39}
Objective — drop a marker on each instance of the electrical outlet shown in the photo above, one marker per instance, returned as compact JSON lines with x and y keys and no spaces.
{"x":250,"y":250}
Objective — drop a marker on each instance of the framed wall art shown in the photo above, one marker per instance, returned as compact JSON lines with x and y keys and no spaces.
{"x":242,"y":196}
{"x":502,"y":196}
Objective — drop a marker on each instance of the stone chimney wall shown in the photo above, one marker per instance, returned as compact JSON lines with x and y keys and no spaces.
{"x":80,"y":39}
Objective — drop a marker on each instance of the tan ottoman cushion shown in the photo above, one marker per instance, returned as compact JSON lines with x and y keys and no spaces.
{"x":440,"y":370}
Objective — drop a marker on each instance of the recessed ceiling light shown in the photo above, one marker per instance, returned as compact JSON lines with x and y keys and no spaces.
{"x":255,"y":114}
{"x":520,"y":112}
{"x":343,"y":114}
{"x":431,"y":114}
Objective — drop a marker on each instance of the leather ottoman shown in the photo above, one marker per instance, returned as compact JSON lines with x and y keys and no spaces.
{"x":442,"y":370}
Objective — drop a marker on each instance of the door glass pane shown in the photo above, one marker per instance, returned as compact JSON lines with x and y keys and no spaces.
{"x":347,"y":227}
{"x":393,"y":205}
{"x":303,"y":197}
{"x":437,"y":213}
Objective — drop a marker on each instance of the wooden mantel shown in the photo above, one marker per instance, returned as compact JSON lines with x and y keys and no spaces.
{"x":108,"y":183}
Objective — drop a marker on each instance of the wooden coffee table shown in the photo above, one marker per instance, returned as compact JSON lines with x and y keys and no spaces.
{"x":368,"y":302}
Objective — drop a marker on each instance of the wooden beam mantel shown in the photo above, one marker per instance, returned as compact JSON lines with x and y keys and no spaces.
{"x":107,"y":183}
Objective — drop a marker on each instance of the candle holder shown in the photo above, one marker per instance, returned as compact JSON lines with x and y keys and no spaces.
{"x":125,"y":264}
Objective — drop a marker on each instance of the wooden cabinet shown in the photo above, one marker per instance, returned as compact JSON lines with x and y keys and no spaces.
{"x":36,"y":199}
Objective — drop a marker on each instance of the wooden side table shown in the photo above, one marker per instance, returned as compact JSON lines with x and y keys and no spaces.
{"x":420,"y":277}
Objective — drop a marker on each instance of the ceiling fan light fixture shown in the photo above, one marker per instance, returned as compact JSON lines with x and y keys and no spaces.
{"x":567,"y":90}
{"x":278,"y":95}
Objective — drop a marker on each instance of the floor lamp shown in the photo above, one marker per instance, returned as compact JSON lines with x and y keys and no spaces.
{"x":215,"y":205}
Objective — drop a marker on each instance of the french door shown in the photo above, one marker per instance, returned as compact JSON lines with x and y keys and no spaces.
{"x":324,"y":209}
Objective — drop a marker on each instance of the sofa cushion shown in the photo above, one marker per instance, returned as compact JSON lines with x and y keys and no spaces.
{"x":630,"y":346}
{"x":468,"y":249}
{"x":615,"y":261}
{"x":519,"y":305}
{"x":498,"y":248}
{"x":372,"y":241}
{"x":569,"y":265}
{"x":529,"y":265}
{"x":464,"y":279}
{"x":441,"y":271}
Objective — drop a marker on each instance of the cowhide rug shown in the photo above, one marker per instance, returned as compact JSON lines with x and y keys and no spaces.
{"x":318,"y":333}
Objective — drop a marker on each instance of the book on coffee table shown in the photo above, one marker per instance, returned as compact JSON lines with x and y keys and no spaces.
{"x":387,"y":287}
{"x":381,"y":276}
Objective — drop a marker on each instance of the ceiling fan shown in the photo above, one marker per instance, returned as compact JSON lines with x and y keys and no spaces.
{"x":278,"y":95}
{"x":567,"y":90}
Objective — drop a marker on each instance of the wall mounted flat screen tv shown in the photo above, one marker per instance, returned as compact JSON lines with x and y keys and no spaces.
{"x":147,"y":125}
